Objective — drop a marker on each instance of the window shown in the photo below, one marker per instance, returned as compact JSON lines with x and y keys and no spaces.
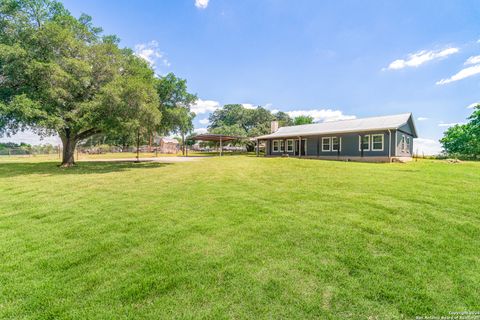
{"x":377,"y":142}
{"x":290,"y":145}
{"x":326,"y":144}
{"x":278,"y":145}
{"x":408,"y":145}
{"x":402,"y":143}
{"x":364,"y":143}
{"x":336,"y":144}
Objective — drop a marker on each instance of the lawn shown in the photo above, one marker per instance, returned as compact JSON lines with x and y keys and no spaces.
{"x":238,"y":237}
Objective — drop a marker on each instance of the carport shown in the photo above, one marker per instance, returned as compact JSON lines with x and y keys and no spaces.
{"x":220,"y":138}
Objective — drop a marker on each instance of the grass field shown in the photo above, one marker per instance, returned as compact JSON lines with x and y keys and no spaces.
{"x":239,"y":238}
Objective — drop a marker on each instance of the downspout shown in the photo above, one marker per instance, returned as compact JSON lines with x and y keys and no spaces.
{"x":389,"y":145}
{"x":396,"y":145}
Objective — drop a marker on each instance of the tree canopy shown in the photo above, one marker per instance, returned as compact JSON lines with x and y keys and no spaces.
{"x":464,"y":139}
{"x":175,"y":103}
{"x":60,"y":75}
{"x":302,"y":120}
{"x":236,"y":120}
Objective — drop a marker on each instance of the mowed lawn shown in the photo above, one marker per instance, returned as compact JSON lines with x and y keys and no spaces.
{"x":239,"y":238}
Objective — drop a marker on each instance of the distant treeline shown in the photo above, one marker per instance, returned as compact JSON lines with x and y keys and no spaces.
{"x":12,"y":148}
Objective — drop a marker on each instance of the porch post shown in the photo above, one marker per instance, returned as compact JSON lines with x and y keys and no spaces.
{"x":299,"y":147}
{"x":221,"y":147}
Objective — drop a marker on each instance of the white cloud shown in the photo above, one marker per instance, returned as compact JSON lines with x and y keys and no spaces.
{"x":201,"y":4}
{"x":426,"y":147}
{"x":462,"y":74}
{"x":421,"y":57}
{"x":205,"y":106}
{"x":472,"y":60}
{"x":150,"y":52}
{"x":322,"y":115}
{"x":422,"y":118}
{"x":473,"y":105}
{"x":449,"y":124}
{"x":200,"y":130}
{"x":203,"y":121}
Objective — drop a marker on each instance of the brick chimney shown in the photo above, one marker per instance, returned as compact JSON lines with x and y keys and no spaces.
{"x":273,"y":126}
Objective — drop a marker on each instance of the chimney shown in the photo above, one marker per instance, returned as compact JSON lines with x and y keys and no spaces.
{"x":273,"y":126}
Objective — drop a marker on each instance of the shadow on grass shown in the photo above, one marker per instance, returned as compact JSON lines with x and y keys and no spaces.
{"x":83,"y":167}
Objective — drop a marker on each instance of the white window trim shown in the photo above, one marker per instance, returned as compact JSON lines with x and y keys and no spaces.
{"x":383,"y":141}
{"x":329,"y":144}
{"x":293,"y":145}
{"x":407,"y":150}
{"x":339,"y":144}
{"x":360,"y":142}
{"x":403,"y":143}
{"x":278,"y":146}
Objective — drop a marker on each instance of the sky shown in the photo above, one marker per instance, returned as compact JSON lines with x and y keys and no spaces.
{"x":328,"y":59}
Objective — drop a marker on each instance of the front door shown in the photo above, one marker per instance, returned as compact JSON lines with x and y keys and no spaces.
{"x":302,"y":149}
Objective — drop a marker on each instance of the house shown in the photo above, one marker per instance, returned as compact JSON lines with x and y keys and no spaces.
{"x":168,"y":145}
{"x":376,"y":139}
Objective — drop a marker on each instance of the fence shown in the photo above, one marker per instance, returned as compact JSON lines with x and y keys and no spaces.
{"x":30,"y":151}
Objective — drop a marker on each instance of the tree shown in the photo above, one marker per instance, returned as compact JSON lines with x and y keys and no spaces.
{"x":175,"y":102}
{"x":302,"y":120}
{"x":464,"y":139}
{"x":59,"y":75}
{"x":236,"y":120}
{"x":283,"y":119}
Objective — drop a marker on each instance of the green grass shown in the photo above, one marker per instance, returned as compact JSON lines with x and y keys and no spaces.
{"x":112,"y":155}
{"x":239,"y":238}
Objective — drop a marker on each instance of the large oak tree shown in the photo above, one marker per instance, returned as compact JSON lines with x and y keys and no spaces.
{"x":59,"y":75}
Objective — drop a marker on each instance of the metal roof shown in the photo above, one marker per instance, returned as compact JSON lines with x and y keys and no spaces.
{"x":344,"y":126}
{"x":214,"y":137}
{"x":168,"y":140}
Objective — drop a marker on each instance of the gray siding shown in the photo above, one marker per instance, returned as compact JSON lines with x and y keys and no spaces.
{"x":400,"y":152}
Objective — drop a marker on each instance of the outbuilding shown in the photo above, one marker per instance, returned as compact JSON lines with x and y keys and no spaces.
{"x":168,"y":145}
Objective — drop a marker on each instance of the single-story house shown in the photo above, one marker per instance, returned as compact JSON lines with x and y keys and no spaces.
{"x":376,"y":139}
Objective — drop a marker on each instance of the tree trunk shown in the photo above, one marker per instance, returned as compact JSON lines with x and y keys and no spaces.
{"x":138,"y":145}
{"x":69,"y":145}
{"x":183,"y":144}
{"x":69,"y":140}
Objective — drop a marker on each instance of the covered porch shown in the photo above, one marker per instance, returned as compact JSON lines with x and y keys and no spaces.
{"x":287,"y":146}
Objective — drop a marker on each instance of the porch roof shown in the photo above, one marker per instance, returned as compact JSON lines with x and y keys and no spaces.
{"x":344,"y":126}
{"x":215,"y":137}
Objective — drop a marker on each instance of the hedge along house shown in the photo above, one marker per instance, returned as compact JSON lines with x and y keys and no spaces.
{"x":376,"y":139}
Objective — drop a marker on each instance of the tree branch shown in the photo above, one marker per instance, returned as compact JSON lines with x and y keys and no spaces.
{"x":87,"y":133}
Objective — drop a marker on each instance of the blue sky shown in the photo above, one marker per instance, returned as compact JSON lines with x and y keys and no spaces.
{"x":329,"y":59}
